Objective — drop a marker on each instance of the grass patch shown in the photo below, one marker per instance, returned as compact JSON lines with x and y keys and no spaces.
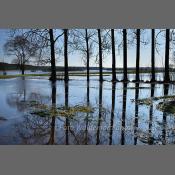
{"x":167,"y":106}
{"x":62,"y":111}
{"x":149,"y":101}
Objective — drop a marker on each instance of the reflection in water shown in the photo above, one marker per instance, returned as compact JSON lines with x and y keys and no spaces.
{"x":33,"y":130}
{"x":123,"y":113}
{"x":112,"y":112}
{"x":166,"y":88}
{"x":67,"y":125}
{"x":97,"y":127}
{"x":100,"y":111}
{"x":18,"y":98}
{"x":52,"y":132}
{"x":136,"y":112}
{"x":87,"y":116}
{"x":150,"y":137}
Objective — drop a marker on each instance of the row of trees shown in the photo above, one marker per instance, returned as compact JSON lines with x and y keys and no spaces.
{"x":37,"y":43}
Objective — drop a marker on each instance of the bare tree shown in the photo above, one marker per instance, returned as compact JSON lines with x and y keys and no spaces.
{"x":125,"y":78}
{"x":167,"y":47}
{"x":138,"y":55}
{"x":52,"y":52}
{"x":100,"y":56}
{"x":22,"y":48}
{"x":83,"y":42}
{"x":87,"y":50}
{"x":153,"y":54}
{"x":46,"y":39}
{"x":66,"y":73}
{"x":113,"y":56}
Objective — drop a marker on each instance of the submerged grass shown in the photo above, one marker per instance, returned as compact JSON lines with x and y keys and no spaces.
{"x":62,"y":111}
{"x":149,"y":101}
{"x":167,"y":106}
{"x":47,"y":75}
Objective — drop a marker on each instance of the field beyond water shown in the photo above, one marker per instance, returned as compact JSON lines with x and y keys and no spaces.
{"x":35,"y":111}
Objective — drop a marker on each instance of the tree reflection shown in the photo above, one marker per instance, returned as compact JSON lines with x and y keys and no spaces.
{"x":100,"y":112}
{"x":52,"y":132}
{"x":136,"y":112}
{"x":35,"y":129}
{"x":150,"y":137}
{"x":87,"y":117}
{"x":18,"y":99}
{"x":67,"y":125}
{"x":112,"y":113}
{"x":123,"y":113}
{"x":166,"y":89}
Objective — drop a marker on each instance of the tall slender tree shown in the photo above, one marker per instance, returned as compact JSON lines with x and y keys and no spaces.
{"x":66,"y":71}
{"x":100,"y":56}
{"x":87,"y":50}
{"x":153,"y":55}
{"x":52,"y":52}
{"x":82,"y":40}
{"x":125,"y":78}
{"x":138,"y":55}
{"x":113,"y":56}
{"x":167,"y":47}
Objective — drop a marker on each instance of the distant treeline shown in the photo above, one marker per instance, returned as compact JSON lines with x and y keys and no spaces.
{"x":6,"y":66}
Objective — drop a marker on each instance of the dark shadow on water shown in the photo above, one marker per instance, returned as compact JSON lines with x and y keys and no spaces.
{"x":52,"y":132}
{"x":67,"y":124}
{"x":100,"y":111}
{"x":164,"y":140}
{"x":136,"y":112}
{"x":87,"y":116}
{"x":123,"y":113}
{"x":150,"y":136}
{"x":112,"y":112}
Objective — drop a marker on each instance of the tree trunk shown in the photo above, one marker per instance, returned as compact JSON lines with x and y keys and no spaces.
{"x":125,"y":55}
{"x":66,"y":74}
{"x":167,"y":47}
{"x":52,"y":49}
{"x":100,"y":56}
{"x":22,"y":69}
{"x":87,"y":50}
{"x":153,"y":55}
{"x":138,"y":55}
{"x":113,"y":55}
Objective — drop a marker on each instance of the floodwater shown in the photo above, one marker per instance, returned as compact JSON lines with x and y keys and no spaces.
{"x":16,"y":72}
{"x":116,"y":119}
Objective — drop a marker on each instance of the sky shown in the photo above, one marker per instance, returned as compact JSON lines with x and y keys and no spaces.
{"x":75,"y":59}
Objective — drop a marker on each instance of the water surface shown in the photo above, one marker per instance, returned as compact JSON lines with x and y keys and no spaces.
{"x":116,"y":118}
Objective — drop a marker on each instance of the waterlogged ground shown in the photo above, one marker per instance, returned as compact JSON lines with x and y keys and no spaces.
{"x":34,"y":111}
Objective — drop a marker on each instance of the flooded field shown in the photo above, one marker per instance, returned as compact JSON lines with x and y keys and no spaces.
{"x":35,"y":111}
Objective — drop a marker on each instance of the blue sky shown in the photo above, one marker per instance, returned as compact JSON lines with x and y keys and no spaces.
{"x":75,"y":58}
